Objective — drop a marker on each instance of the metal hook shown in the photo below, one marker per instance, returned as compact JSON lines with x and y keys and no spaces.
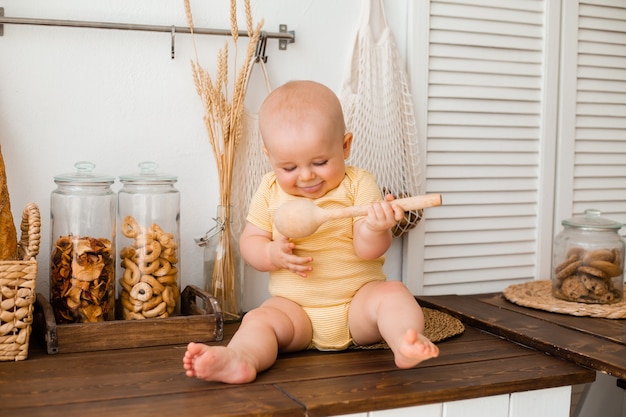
{"x":173,"y":34}
{"x":259,"y":53}
{"x":282,"y":43}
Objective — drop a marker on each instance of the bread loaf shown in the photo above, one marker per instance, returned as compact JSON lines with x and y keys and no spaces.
{"x":8,"y":233}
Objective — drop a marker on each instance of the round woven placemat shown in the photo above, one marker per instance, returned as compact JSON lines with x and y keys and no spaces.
{"x":538,"y":294}
{"x":438,"y":326}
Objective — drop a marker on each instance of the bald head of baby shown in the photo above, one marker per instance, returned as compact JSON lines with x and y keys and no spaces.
{"x":305,"y":104}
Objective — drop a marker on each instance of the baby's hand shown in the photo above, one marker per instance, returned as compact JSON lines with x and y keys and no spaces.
{"x":282,"y":257}
{"x":383,"y":216}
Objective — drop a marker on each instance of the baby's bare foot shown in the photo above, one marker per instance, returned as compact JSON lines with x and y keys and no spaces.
{"x":217,"y":363}
{"x":414,"y":349}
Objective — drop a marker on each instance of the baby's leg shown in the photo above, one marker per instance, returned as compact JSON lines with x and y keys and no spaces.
{"x":388,"y":310}
{"x":279,"y":324}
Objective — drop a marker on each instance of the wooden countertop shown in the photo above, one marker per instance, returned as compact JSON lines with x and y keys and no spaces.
{"x":151,"y":381}
{"x":595,"y":343}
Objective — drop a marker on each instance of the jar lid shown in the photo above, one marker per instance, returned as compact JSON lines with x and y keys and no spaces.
{"x":84,"y":175}
{"x":148,"y":174}
{"x":592,"y":220}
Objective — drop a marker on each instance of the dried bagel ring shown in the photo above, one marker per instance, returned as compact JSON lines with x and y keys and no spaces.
{"x":148,"y":251}
{"x":145,"y":238}
{"x":164,"y":268}
{"x":167,"y":240}
{"x":128,"y":304}
{"x":169,"y":279}
{"x":142,"y":291}
{"x":153,"y":302}
{"x":132,"y":274}
{"x":126,"y":287}
{"x":169,"y":254}
{"x":169,"y":296}
{"x":156,"y":311}
{"x":147,"y":233}
{"x":127,"y":252}
{"x":131,"y":315}
{"x":157,"y":287}
{"x":130,"y":228}
{"x":156,"y":229}
{"x":148,"y":268}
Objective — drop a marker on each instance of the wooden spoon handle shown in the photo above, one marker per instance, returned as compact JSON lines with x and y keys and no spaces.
{"x":407,"y":204}
{"x":418,"y":202}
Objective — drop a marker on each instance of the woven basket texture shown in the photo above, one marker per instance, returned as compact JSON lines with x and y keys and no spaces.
{"x":538,"y":295}
{"x":17,"y":289}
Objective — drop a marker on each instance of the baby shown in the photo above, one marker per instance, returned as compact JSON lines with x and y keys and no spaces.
{"x":328,"y":290}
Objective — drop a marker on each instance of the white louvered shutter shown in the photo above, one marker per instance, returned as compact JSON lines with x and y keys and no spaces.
{"x":592,"y":146}
{"x":485,"y":88}
{"x":519,"y":131}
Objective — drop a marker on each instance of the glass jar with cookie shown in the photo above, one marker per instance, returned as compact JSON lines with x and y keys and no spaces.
{"x":588,"y":260}
{"x":148,"y":238}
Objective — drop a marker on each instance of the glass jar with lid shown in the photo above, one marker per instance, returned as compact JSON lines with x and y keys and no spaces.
{"x":149,"y":222}
{"x":588,"y":260}
{"x":82,"y":259}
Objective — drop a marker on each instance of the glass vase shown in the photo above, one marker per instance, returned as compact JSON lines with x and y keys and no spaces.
{"x":223,"y":265}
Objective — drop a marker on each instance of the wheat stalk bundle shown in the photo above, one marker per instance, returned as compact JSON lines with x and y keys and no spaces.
{"x":223,"y":105}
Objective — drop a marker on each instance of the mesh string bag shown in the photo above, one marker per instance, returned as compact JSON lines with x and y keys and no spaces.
{"x":250,"y":161}
{"x":378,"y":108}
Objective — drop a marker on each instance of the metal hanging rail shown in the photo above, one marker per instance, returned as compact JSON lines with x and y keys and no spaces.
{"x":284,"y":36}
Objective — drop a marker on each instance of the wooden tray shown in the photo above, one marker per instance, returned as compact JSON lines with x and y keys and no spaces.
{"x":197,"y":323}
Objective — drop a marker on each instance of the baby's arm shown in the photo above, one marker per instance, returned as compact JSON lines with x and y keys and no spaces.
{"x":372,"y":234}
{"x":264,"y":254}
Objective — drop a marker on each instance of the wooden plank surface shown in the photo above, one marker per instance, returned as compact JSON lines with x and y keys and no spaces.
{"x":597,"y":349}
{"x":134,"y":373}
{"x":246,"y":401}
{"x":610,"y":329}
{"x":139,"y":381}
{"x":351,"y":394}
{"x":472,"y":346}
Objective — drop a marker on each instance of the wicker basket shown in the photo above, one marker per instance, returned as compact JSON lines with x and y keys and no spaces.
{"x":17,"y":289}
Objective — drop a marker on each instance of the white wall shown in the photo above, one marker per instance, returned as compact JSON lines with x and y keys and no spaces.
{"x":116,"y":98}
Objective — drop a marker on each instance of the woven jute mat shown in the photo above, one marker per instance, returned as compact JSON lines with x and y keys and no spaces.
{"x":438,"y":326}
{"x":538,"y":295}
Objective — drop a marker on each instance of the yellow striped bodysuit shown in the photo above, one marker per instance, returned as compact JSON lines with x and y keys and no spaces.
{"x":338,"y":273}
